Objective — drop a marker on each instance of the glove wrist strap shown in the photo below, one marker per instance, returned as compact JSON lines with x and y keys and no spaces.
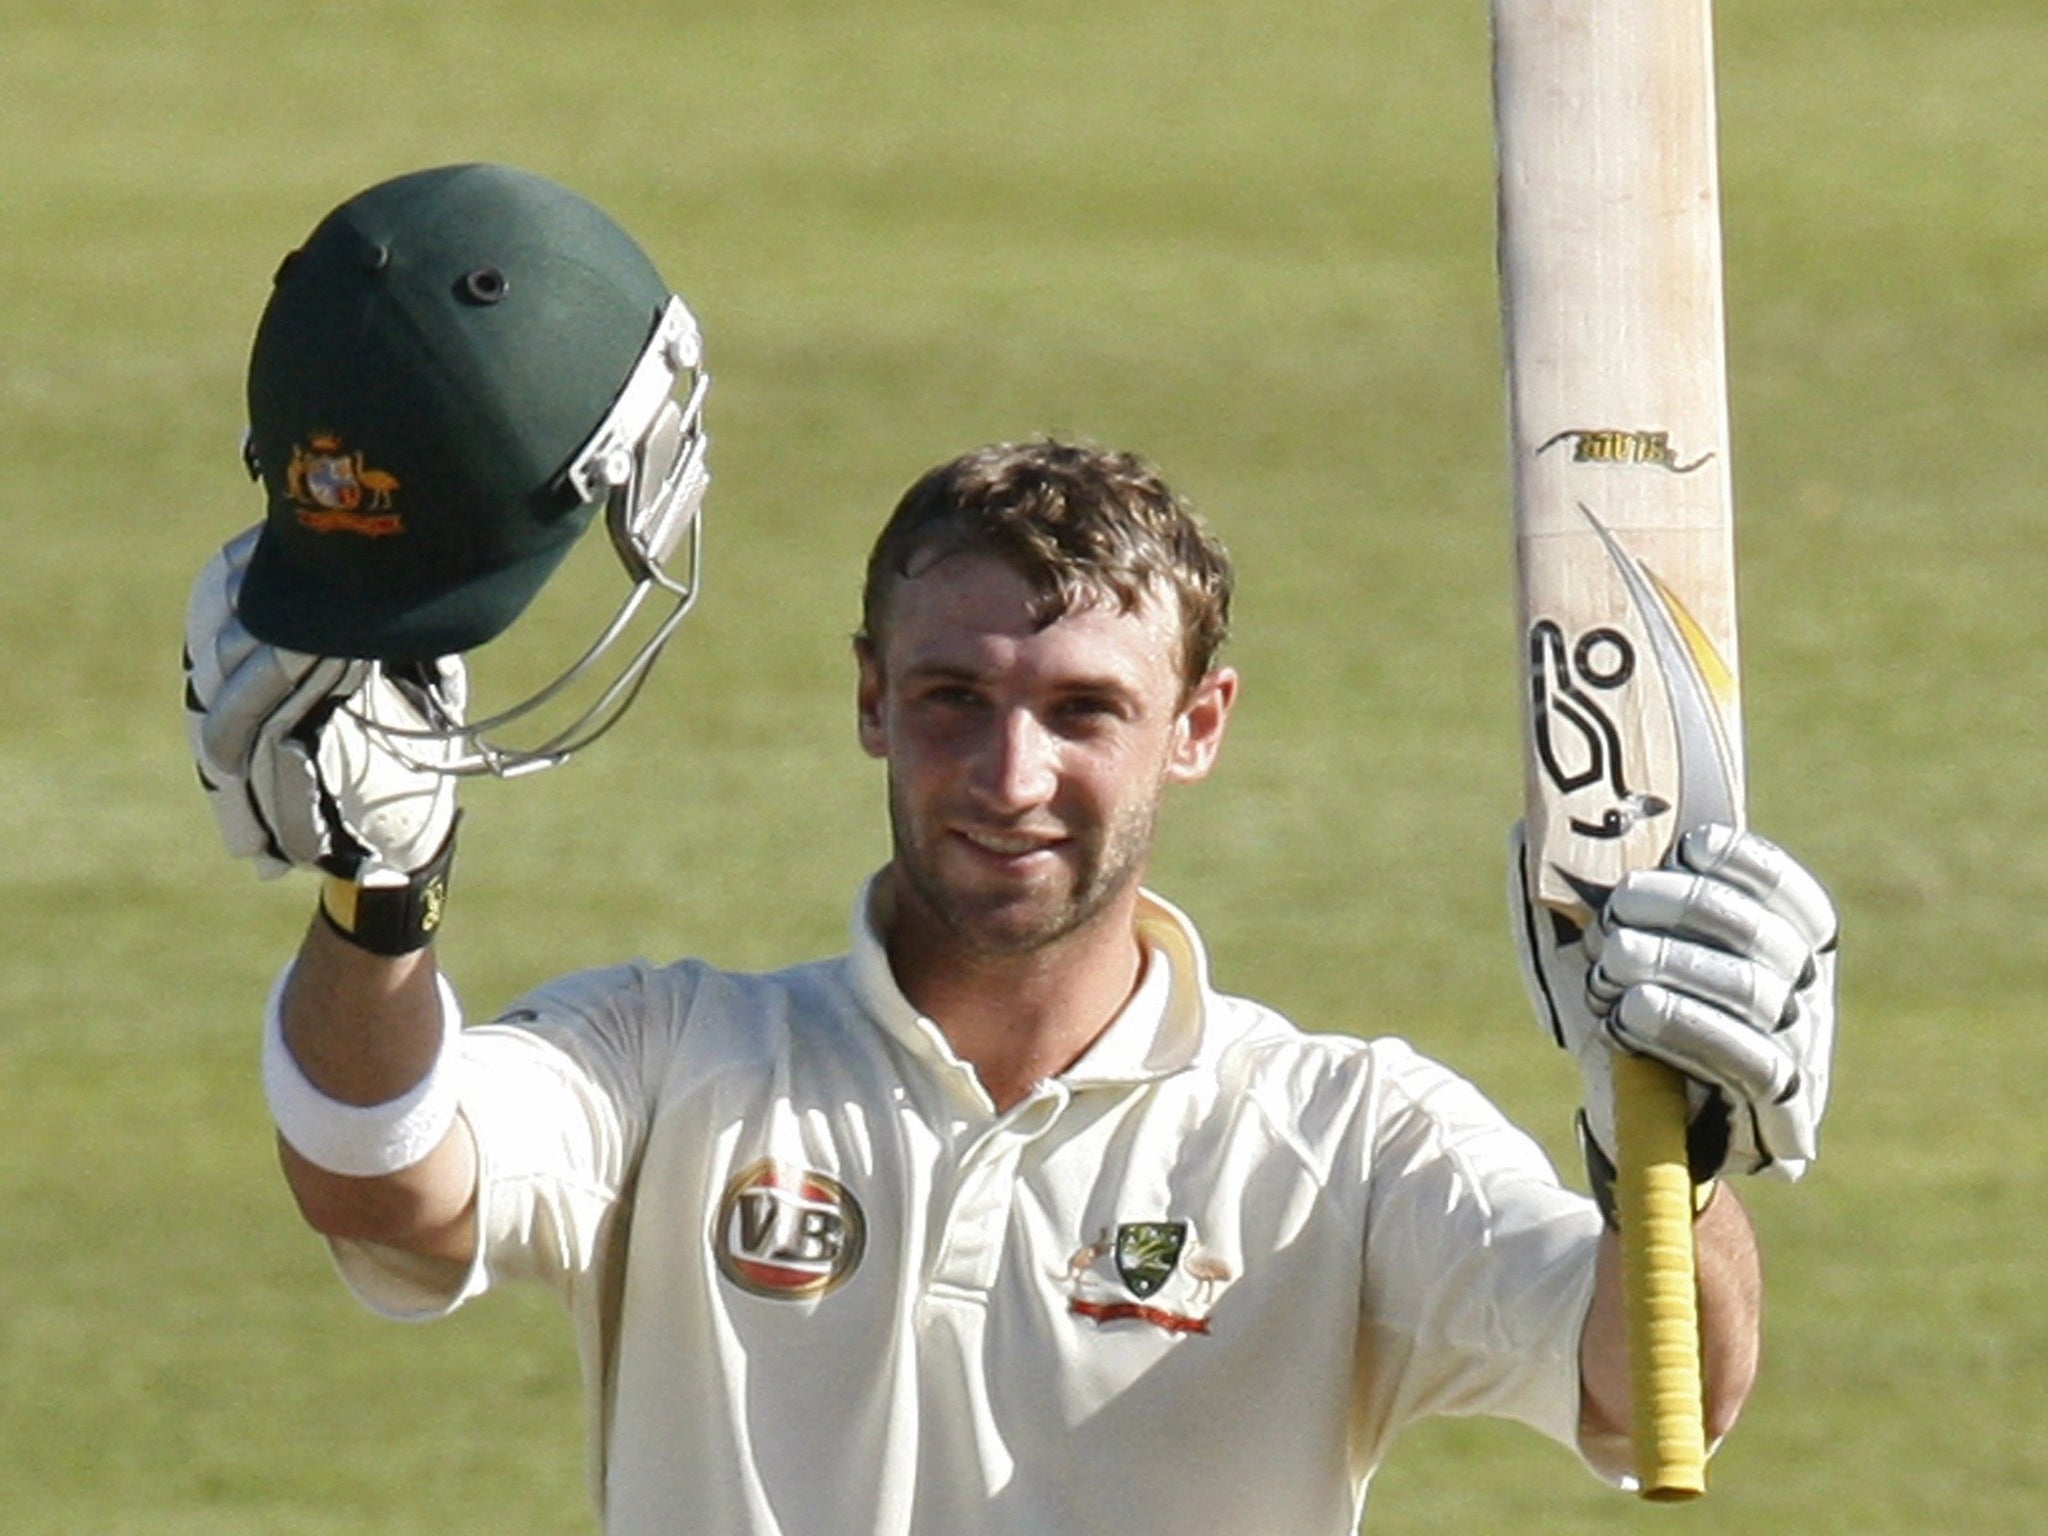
{"x":392,"y":916}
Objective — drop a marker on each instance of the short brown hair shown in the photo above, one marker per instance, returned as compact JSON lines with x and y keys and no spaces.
{"x":1074,"y":521}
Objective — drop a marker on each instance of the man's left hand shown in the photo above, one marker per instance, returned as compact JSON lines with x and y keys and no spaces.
{"x":1720,"y":964}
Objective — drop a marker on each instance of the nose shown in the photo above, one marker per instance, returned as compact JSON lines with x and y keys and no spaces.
{"x":1018,"y":768}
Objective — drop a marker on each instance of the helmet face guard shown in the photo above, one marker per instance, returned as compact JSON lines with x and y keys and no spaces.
{"x":646,"y":463}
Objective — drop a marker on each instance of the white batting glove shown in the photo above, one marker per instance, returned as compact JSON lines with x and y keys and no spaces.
{"x":1721,"y":965}
{"x":295,"y":751}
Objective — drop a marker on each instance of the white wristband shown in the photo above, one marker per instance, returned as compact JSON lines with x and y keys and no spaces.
{"x":360,"y":1140}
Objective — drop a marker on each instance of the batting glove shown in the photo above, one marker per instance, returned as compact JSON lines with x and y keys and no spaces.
{"x":305,"y":759}
{"x":1721,"y":964}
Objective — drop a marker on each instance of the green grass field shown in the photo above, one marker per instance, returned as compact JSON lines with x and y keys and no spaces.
{"x":1252,"y":241}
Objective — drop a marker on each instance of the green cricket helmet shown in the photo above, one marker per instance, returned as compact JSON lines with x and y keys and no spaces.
{"x":453,"y":374}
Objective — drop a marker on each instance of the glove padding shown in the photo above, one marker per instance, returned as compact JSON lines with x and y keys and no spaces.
{"x":294,"y":751}
{"x":1721,"y":964}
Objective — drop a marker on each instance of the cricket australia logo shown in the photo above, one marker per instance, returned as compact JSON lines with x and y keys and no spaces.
{"x":336,"y":492}
{"x":1146,"y":1253}
{"x":787,"y":1233}
{"x":1148,"y":1257}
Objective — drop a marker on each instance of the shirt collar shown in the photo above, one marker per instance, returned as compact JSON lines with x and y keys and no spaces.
{"x":1156,"y":1033}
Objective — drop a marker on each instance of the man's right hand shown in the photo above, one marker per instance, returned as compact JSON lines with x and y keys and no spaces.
{"x":304,"y":758}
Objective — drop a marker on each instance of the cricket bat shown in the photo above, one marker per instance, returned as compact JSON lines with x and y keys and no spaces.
{"x":1610,"y":266}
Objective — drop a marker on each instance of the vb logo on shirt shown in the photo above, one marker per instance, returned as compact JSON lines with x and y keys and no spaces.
{"x":787,"y":1232}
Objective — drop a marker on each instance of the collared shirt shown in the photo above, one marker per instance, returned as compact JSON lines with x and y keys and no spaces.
{"x":1197,"y":1282}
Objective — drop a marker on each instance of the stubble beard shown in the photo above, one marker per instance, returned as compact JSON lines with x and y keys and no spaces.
{"x":1014,"y":923}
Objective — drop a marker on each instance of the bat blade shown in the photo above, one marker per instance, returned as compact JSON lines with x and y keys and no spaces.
{"x":1610,"y":262}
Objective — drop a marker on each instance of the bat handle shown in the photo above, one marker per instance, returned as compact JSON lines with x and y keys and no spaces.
{"x":1653,"y":1191}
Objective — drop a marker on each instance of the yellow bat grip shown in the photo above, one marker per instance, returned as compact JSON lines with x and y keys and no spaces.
{"x":1653,"y":1193}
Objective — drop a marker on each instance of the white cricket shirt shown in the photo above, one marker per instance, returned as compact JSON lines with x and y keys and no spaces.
{"x":820,"y":1286}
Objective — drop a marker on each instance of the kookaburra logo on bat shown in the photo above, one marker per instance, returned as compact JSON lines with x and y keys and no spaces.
{"x":1576,"y":739}
{"x":1614,"y":445}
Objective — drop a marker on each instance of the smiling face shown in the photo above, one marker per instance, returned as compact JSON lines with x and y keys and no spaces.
{"x":1027,"y":759}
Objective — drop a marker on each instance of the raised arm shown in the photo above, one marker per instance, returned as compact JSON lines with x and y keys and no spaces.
{"x":365,"y":1031}
{"x":1721,"y":965}
{"x":300,"y":770}
{"x":456,"y":373}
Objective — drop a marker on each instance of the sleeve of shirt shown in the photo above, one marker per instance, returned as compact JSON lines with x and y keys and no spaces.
{"x":558,"y":1093}
{"x":1479,"y":1264}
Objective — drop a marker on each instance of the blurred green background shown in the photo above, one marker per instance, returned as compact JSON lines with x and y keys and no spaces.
{"x":1253,"y":242}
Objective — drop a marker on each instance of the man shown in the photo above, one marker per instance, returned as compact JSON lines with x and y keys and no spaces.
{"x":1004,"y":1220}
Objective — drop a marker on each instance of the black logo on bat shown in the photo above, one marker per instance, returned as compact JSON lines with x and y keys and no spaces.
{"x":1576,"y":739}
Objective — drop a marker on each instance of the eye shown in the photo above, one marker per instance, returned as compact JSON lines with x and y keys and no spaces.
{"x":950,"y":696}
{"x":1086,"y":711}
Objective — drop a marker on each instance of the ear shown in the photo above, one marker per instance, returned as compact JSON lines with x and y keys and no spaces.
{"x":868,"y":698}
{"x":1198,"y":733}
